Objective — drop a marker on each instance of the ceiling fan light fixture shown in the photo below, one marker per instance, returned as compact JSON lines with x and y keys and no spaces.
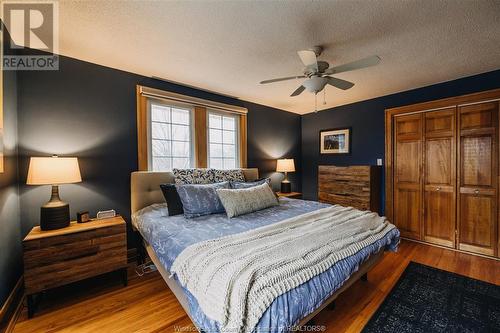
{"x":315,"y":84}
{"x":317,"y":72}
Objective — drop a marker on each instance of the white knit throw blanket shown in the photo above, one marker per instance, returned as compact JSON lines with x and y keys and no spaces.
{"x":236,"y":277}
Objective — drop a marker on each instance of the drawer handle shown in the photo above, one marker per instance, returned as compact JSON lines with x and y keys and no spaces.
{"x":342,"y":194}
{"x":476,"y":192}
{"x":438,"y":188}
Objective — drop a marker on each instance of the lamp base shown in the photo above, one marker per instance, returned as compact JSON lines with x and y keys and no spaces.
{"x":286,"y":187}
{"x":54,"y":217}
{"x":55,"y":213}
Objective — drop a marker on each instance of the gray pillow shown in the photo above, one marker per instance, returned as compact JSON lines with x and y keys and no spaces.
{"x":193,"y":176}
{"x":236,"y":185}
{"x":201,"y":199}
{"x":243,"y":201}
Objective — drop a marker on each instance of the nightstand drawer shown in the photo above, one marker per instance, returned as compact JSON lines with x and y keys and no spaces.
{"x":294,"y":195}
{"x":66,"y":239}
{"x":58,"y":260}
{"x":72,"y":250}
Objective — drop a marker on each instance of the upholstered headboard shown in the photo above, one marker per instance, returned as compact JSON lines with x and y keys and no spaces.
{"x":145,"y":186}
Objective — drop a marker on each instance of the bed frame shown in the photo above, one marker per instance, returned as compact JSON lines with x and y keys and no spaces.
{"x":145,"y":191}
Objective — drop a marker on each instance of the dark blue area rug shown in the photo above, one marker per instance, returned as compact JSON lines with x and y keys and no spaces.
{"x":427,"y":299}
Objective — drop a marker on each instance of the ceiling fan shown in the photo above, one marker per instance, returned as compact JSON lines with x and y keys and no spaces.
{"x":318,"y":72}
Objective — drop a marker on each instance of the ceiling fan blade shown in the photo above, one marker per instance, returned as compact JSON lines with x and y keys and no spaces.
{"x":282,"y":79}
{"x":358,"y":64}
{"x":308,"y":58}
{"x":298,"y":91}
{"x":339,"y":83}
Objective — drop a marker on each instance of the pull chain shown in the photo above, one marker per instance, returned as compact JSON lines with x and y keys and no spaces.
{"x":324,"y":96}
{"x":315,"y":102}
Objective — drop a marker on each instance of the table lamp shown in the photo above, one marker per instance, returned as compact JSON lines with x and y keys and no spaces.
{"x":54,"y":171}
{"x":285,"y":165}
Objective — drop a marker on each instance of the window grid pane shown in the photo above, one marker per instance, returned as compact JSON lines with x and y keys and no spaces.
{"x":214,"y":121}
{"x":222,"y":141}
{"x":216,"y":163}
{"x":170,"y":137}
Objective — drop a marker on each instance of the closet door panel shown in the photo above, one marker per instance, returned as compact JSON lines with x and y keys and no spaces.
{"x":478,"y":116}
{"x":439,"y":177}
{"x":440,"y":123}
{"x":477,"y":227}
{"x":408,"y":211}
{"x":478,"y":178}
{"x":408,"y":162}
{"x":477,"y":161}
{"x":439,"y":161}
{"x":440,"y":217}
{"x":407,"y":175}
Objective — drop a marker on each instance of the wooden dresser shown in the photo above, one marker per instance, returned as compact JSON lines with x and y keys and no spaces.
{"x":82,"y":250}
{"x":355,"y":186}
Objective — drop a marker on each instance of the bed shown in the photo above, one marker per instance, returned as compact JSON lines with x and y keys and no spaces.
{"x":166,"y":237}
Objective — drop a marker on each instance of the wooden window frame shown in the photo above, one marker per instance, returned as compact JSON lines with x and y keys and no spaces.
{"x":236,"y":130}
{"x":150,"y":139}
{"x":200,"y":118}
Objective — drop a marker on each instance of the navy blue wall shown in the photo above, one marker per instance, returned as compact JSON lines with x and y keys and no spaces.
{"x":367,"y":121}
{"x":89,"y":111}
{"x":10,"y":235}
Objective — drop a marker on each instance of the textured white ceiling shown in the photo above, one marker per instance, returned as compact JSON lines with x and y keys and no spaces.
{"x":229,"y":47}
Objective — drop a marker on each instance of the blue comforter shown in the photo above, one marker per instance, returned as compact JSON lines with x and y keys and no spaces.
{"x":170,"y":235}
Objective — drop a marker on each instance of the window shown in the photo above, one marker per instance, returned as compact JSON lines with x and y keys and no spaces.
{"x":178,"y":131}
{"x":222,"y":140}
{"x":171,"y":145}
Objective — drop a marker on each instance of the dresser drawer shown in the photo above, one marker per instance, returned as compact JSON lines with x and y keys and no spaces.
{"x":350,"y":172}
{"x":59,"y":260}
{"x":355,"y":188}
{"x":345,"y":200}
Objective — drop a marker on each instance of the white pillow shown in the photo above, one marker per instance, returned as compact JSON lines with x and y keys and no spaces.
{"x":243,"y":201}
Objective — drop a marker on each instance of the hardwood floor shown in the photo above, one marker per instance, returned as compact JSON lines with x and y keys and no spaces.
{"x":147,"y":305}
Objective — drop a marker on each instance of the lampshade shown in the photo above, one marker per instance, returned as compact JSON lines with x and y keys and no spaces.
{"x":285,"y":165}
{"x":53,"y":171}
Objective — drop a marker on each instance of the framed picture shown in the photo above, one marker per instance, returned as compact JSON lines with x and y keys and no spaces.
{"x":335,"y":141}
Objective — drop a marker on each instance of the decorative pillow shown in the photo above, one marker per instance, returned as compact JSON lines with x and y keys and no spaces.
{"x":235,"y":175}
{"x":242,"y":201}
{"x":193,"y":176}
{"x":174,"y":203}
{"x":237,"y":185}
{"x":201,"y":199}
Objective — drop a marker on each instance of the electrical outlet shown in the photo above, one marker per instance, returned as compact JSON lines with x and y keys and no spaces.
{"x":379,"y":161}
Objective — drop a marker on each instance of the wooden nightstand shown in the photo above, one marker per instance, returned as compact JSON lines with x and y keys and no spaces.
{"x":57,"y":257}
{"x":294,"y":195}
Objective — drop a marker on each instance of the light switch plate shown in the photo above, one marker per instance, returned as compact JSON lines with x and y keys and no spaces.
{"x":379,"y":161}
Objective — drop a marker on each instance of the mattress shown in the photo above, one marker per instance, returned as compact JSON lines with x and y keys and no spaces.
{"x":170,"y":235}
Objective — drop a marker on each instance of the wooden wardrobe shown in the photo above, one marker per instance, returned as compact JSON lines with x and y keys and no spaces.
{"x":442,"y":174}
